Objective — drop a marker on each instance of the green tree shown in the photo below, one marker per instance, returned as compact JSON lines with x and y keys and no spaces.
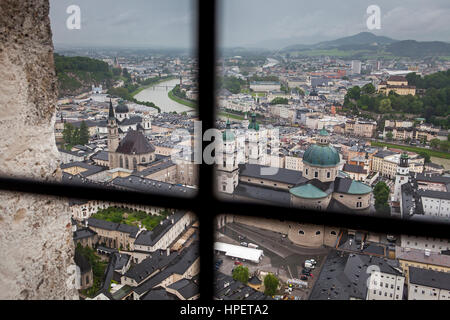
{"x":368,"y":89}
{"x":270,"y":284}
{"x":68,"y":132}
{"x":240,"y":273}
{"x":385,"y":106}
{"x":434,"y":143}
{"x":279,"y":100}
{"x":389,"y":135}
{"x":381,"y":194}
{"x":84,"y":133}
{"x":426,"y":156}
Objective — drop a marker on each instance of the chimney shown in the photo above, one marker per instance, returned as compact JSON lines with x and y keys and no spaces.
{"x":168,"y":251}
{"x":172,"y":221}
{"x":427,"y":252}
{"x":86,"y":223}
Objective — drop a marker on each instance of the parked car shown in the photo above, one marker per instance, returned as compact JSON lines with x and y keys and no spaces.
{"x":303,"y":277}
{"x":252,"y":245}
{"x":309,"y":264}
{"x":238,"y":263}
{"x":244,"y":244}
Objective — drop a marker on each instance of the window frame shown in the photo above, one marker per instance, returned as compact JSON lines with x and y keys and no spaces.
{"x":206,"y":204}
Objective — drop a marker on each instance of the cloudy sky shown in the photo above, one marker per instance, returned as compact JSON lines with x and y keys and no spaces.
{"x":257,"y":23}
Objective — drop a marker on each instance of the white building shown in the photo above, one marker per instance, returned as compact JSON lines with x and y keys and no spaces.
{"x":426,"y":284}
{"x":356,"y":67}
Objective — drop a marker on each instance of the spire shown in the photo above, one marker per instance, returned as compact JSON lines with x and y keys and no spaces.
{"x":111,"y":110}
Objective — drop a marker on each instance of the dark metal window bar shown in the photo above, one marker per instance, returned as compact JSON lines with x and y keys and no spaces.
{"x":205,"y":204}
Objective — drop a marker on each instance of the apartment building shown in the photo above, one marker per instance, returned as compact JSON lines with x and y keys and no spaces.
{"x":426,"y":284}
{"x":424,"y":259}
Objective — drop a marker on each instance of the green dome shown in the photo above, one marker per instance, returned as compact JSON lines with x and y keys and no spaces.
{"x":253,"y":124}
{"x":308,"y":191}
{"x":323,"y":132}
{"x":321,"y":155}
{"x":228,"y":135}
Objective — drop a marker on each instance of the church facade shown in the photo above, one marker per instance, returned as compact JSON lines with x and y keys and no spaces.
{"x":320,"y":186}
{"x":132,"y":150}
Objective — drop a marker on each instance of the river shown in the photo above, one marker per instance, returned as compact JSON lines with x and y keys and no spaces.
{"x":159,"y":96}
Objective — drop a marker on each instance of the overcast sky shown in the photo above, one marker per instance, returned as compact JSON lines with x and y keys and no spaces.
{"x":259,"y":23}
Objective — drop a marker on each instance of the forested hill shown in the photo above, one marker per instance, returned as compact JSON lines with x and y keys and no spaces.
{"x":434,"y":105}
{"x":78,"y":74}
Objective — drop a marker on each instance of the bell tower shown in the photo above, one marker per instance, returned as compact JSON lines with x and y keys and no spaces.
{"x":401,"y":177}
{"x":113,"y":136}
{"x":228,"y":170}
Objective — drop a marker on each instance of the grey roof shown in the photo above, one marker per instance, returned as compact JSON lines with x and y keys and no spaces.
{"x":155,"y":168}
{"x":186,"y":287}
{"x":383,"y":153}
{"x":83,"y":233}
{"x":90,"y":168}
{"x":429,"y":278}
{"x":344,"y":276}
{"x":434,"y":194}
{"x":354,"y":168}
{"x":283,"y":175}
{"x":158,"y":260}
{"x":108,"y":225}
{"x":135,"y":143}
{"x":151,"y":237}
{"x":102,"y":155}
{"x":261,"y":193}
{"x":432,"y":178}
{"x":135,"y":183}
{"x":159,"y":294}
{"x":179,"y":265}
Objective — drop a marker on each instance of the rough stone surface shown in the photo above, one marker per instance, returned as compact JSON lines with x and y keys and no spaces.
{"x":36,"y":249}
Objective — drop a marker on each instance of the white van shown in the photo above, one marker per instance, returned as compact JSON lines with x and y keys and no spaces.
{"x":252,"y":245}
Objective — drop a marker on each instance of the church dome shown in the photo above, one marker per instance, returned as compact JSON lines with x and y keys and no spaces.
{"x":321,"y":155}
{"x":228,"y":135}
{"x":122,"y":108}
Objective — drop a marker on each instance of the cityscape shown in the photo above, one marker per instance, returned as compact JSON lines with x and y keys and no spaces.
{"x":357,"y":123}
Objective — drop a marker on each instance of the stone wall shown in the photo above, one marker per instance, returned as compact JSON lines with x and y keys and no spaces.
{"x":36,"y":249}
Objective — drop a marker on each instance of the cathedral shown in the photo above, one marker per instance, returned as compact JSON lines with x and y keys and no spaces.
{"x":320,"y":186}
{"x":133,"y":148}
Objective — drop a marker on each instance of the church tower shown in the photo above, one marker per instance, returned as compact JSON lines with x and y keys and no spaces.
{"x":113,"y":136}
{"x":257,"y":143}
{"x":401,"y":177}
{"x":228,"y":170}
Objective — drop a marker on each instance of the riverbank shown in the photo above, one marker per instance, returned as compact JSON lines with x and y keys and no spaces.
{"x":430,"y":152}
{"x":186,"y":103}
{"x":159,"y":95}
{"x":135,"y":92}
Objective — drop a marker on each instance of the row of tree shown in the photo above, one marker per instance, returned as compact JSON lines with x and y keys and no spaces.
{"x":73,"y":135}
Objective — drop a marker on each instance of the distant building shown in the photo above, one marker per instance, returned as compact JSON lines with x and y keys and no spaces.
{"x":356,"y":67}
{"x":398,"y":84}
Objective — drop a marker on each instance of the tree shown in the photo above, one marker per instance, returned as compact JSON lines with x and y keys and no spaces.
{"x":381,"y":194}
{"x":426,"y":156}
{"x":270,"y":284}
{"x":389,"y":135}
{"x":83,"y":134}
{"x":368,"y":89}
{"x":385,"y":106}
{"x":434,"y":143}
{"x":279,"y":100}
{"x":68,"y":132}
{"x":240,"y":273}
